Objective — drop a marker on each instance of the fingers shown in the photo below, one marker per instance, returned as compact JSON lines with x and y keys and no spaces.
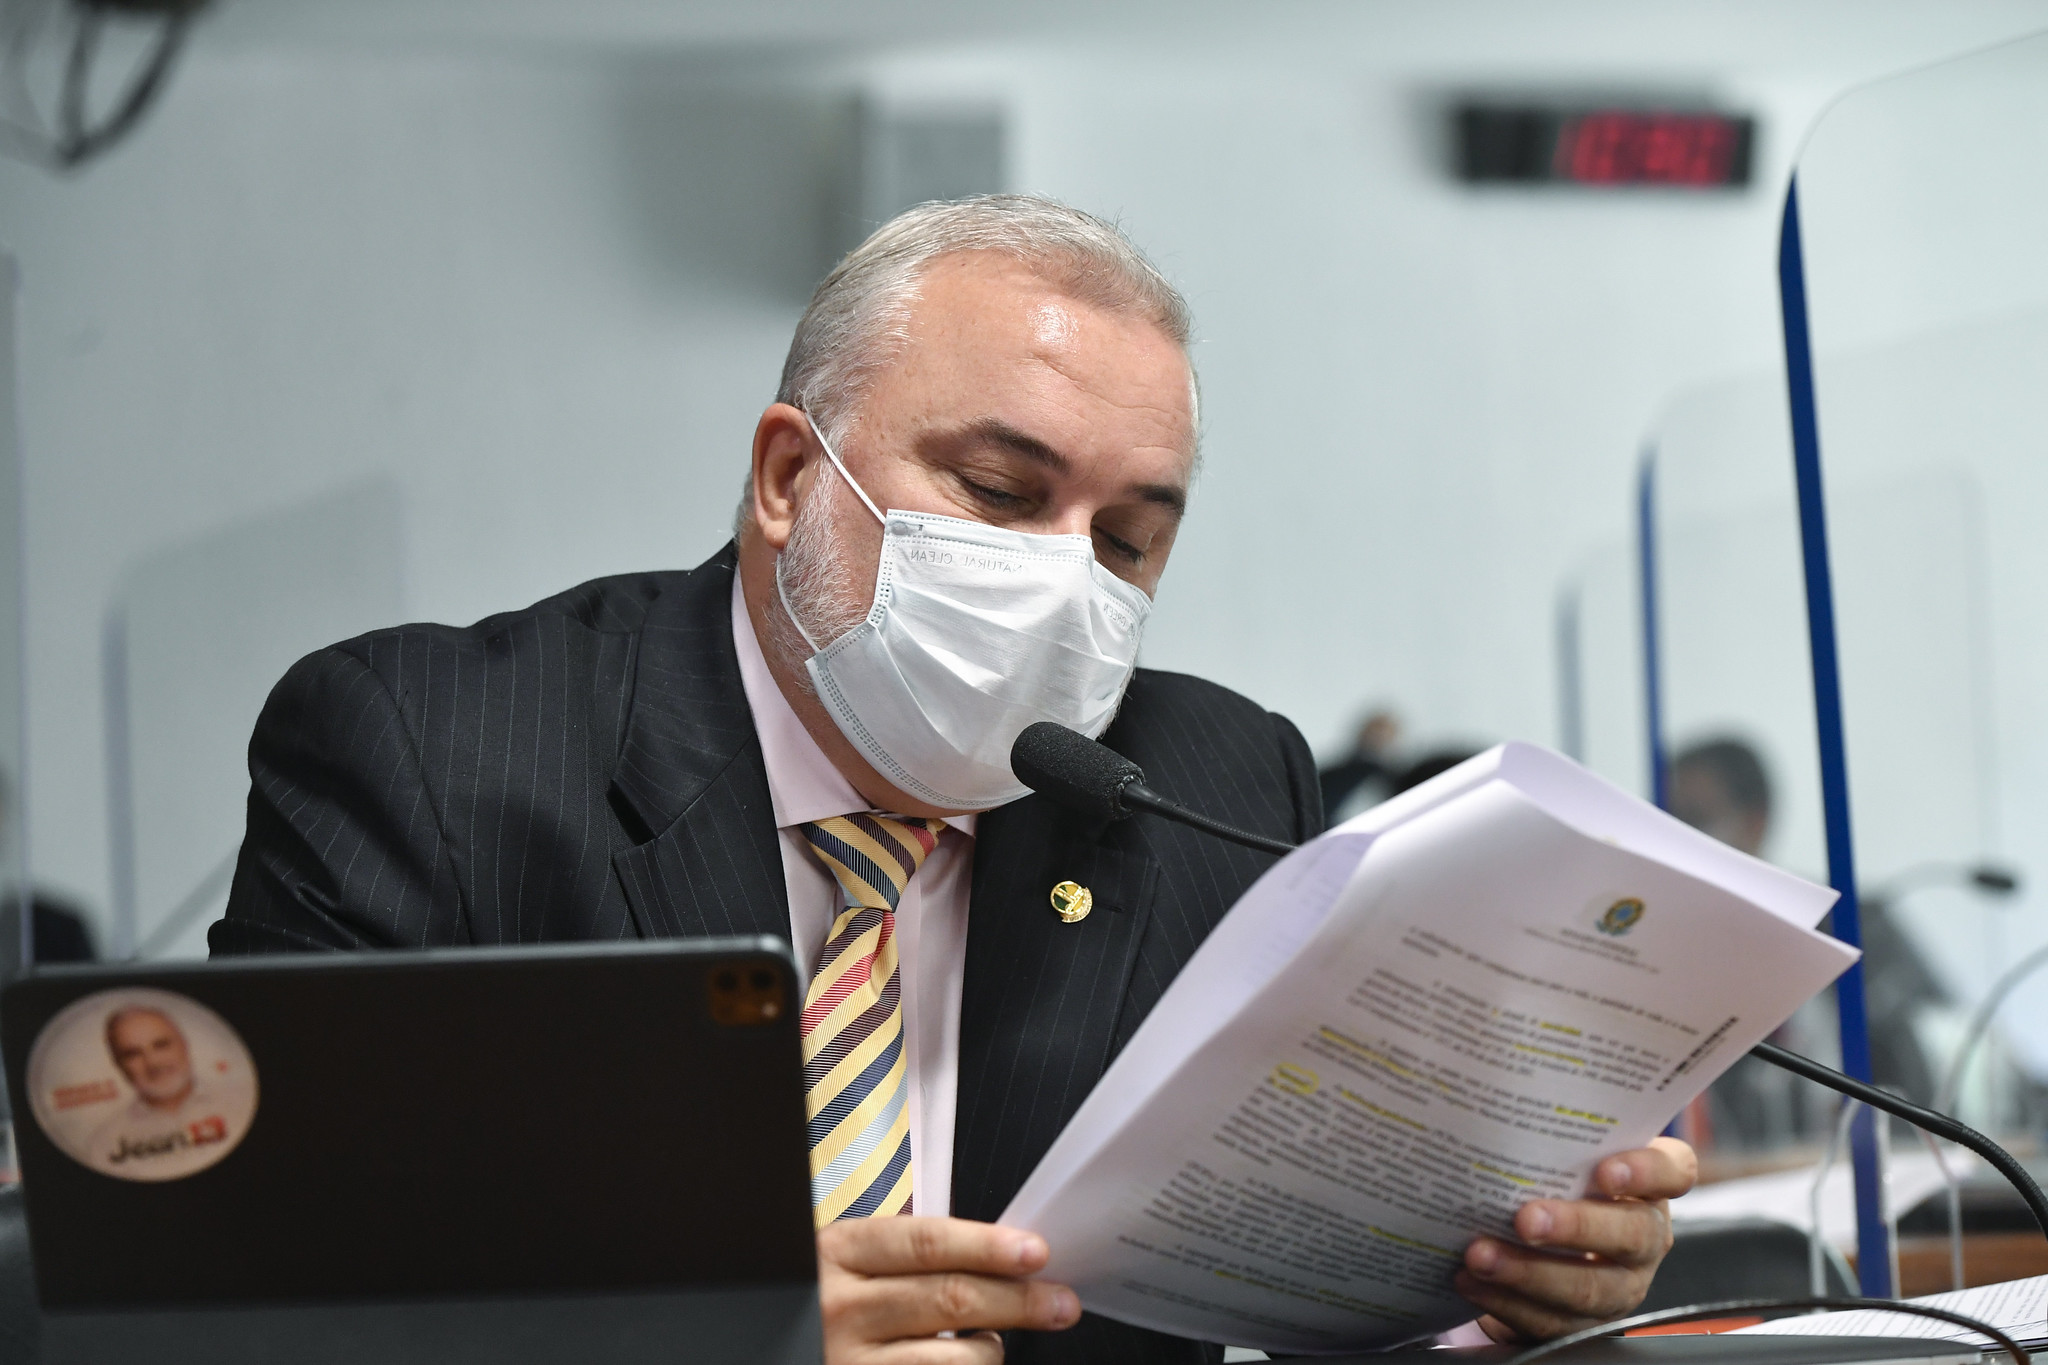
{"x":883,"y":1281}
{"x":1587,"y":1260}
{"x":1498,"y":1331}
{"x":1510,"y":1317}
{"x":983,"y":1348}
{"x":908,"y":1246}
{"x":1624,"y":1231}
{"x":898,"y":1306}
{"x":1631,"y":1225}
{"x":1665,"y":1169}
{"x":1543,"y":1293}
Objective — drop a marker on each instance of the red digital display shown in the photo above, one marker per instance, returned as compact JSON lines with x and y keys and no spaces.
{"x":1623,"y":147}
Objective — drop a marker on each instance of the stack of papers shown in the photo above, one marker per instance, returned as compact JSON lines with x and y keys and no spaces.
{"x":2019,"y":1308}
{"x":1461,"y":1000}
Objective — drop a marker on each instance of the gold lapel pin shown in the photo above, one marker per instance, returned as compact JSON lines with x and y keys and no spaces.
{"x":1072,"y":901}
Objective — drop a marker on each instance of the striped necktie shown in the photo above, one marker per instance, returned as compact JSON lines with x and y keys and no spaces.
{"x":856,"y":1091}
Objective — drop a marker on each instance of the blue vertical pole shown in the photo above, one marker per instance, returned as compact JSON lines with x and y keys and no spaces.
{"x":1653,"y":654}
{"x":1873,"y":1238}
{"x":1653,"y":674}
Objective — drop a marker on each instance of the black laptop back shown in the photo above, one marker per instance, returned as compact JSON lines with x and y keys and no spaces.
{"x":589,"y":1153}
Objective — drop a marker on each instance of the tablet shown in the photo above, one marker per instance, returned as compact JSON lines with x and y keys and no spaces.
{"x":585,"y":1152}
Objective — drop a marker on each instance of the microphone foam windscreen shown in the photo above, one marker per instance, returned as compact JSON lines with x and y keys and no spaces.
{"x":1073,"y":770}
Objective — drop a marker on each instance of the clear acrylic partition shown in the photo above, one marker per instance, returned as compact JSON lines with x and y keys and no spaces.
{"x":197,"y":635}
{"x":1737,"y":715}
{"x":1600,"y":667}
{"x":16,"y":927}
{"x":1923,"y":202}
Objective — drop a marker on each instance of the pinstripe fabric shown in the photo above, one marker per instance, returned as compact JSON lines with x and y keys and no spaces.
{"x":1047,"y":1005}
{"x":587,"y":769}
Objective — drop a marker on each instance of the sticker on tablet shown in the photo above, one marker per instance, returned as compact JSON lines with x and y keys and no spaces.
{"x":142,"y":1084}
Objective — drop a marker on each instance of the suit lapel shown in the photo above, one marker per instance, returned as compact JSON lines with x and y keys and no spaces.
{"x":1041,"y":998}
{"x":691,"y":790}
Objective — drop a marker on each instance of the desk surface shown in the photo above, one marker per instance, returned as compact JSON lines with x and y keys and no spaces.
{"x":1988,"y":1258}
{"x":1712,"y":1350}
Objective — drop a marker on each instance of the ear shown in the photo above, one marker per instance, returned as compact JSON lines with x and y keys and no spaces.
{"x":784,"y":454}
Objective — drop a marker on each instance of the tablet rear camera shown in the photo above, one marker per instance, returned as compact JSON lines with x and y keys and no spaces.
{"x":747,"y":998}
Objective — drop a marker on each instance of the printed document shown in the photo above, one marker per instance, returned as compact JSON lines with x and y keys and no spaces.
{"x":1459,"y":1001}
{"x":2019,"y":1308}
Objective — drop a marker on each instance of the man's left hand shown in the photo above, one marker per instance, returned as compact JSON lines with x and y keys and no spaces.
{"x":1587,"y":1260}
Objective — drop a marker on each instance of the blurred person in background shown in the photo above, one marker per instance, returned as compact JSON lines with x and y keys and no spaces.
{"x":1432,"y":764}
{"x":1374,"y":770}
{"x":1363,"y":776}
{"x":1720,"y":787}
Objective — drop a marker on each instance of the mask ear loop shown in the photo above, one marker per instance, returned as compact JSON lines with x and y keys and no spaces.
{"x":833,"y":456}
{"x":783,"y":592}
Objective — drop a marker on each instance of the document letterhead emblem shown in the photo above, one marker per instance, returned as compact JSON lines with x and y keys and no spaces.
{"x":1621,"y":917}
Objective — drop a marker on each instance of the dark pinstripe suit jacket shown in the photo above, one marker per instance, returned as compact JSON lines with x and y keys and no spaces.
{"x":588,"y":769}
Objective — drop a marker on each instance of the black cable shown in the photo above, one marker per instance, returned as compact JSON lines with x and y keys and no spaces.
{"x":77,"y":142}
{"x":77,"y":87}
{"x":1927,"y":1120}
{"x":1139,"y":795}
{"x":1737,"y":1307}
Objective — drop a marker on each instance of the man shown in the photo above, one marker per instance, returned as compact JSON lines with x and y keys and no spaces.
{"x":174,"y":1126}
{"x":1361,"y":777}
{"x":959,"y":508}
{"x":1721,"y":787}
{"x":152,"y":1053}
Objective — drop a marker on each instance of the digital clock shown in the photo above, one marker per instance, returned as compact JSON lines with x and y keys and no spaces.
{"x":1602,"y":145}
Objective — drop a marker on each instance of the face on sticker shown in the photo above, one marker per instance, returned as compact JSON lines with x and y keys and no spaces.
{"x":152,"y":1053}
{"x":141,"y":1084}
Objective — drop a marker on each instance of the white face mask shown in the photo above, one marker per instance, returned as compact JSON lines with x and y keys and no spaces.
{"x":975,"y":633}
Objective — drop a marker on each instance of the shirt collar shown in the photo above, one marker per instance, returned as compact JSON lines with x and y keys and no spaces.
{"x":803,"y":784}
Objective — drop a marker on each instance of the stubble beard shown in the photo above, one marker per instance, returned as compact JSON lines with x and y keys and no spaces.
{"x":817,"y":582}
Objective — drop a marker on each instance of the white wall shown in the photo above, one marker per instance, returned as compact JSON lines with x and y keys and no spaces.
{"x":1423,"y":403}
{"x":544,"y":292}
{"x":544,"y":300}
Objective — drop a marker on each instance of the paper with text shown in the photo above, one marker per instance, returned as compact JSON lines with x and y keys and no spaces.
{"x":2019,"y":1308}
{"x":1404,"y":1031}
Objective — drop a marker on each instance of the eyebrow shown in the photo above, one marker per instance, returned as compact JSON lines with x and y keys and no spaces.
{"x":996,"y":432}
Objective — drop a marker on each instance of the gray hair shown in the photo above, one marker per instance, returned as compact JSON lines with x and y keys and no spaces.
{"x":125,"y":1012}
{"x":860,"y":315}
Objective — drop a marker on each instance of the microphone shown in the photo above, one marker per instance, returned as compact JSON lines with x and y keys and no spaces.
{"x":1096,"y":781}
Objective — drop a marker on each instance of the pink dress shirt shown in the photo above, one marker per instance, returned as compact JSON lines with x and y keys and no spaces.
{"x":931,"y":919}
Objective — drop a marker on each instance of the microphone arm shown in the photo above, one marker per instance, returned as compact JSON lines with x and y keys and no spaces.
{"x":1095,"y":780}
{"x":1100,"y":784}
{"x":1928,"y":1120}
{"x":1144,"y":798}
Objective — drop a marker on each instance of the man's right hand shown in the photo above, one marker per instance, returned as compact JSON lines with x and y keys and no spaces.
{"x":889,"y":1286}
